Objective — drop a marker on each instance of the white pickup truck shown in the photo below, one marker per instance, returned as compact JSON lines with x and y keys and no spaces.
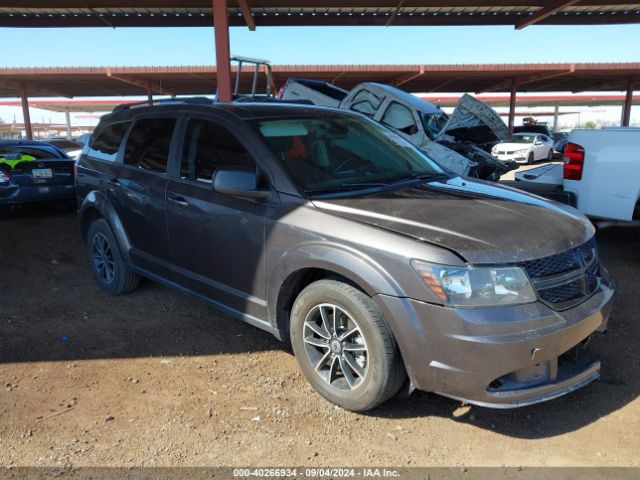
{"x":600,"y":175}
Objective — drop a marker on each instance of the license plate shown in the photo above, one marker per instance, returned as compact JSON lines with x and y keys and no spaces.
{"x":42,"y":173}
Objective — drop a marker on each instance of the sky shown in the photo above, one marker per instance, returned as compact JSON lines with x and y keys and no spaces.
{"x":321,"y":45}
{"x":316,"y":45}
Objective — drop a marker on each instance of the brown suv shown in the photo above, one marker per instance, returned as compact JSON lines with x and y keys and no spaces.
{"x":331,"y":231}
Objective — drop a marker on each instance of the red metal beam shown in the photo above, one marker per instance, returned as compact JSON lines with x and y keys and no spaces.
{"x":246,"y":13}
{"x":628,"y":101}
{"x":144,"y":84}
{"x":408,"y":78}
{"x":512,"y":104}
{"x":530,"y":79}
{"x":395,"y":13}
{"x":223,"y":63}
{"x":25,"y":112}
{"x":545,"y":12}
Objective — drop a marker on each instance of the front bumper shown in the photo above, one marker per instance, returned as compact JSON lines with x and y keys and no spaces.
{"x":18,"y":194}
{"x":519,"y":158}
{"x":501,"y":357}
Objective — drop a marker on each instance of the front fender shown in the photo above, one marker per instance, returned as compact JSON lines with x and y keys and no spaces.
{"x":350,"y":263}
{"x":96,"y":201}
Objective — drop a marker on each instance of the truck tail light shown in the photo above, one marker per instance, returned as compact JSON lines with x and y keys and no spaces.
{"x":573,"y":161}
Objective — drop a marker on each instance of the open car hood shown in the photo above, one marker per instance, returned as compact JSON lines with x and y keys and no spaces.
{"x":474,"y":121}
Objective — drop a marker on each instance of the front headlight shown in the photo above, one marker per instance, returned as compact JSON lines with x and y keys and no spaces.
{"x":476,"y":286}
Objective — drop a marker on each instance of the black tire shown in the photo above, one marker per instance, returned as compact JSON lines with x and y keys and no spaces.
{"x":383,"y":370}
{"x":530,"y":158}
{"x":550,"y":156}
{"x":121,"y":280}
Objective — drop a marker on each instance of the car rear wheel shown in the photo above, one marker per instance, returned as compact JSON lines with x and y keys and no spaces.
{"x":108,"y":268}
{"x":344,"y":347}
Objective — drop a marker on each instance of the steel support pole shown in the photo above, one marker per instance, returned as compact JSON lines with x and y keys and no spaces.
{"x":67,"y":117}
{"x":223,"y":63}
{"x":626,"y":109}
{"x":556,"y":113}
{"x":149,"y":93}
{"x":512,"y":104}
{"x":25,"y":113}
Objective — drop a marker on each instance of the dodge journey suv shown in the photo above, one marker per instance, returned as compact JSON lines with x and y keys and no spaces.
{"x":336,"y":235}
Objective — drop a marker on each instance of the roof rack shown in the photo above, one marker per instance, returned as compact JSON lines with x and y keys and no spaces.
{"x":167,"y":101}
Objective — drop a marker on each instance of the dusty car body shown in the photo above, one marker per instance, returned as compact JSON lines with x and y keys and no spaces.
{"x":460,"y":143}
{"x":324,"y":228}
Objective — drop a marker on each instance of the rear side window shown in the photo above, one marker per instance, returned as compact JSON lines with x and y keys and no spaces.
{"x":148,"y":144}
{"x":105,"y":146}
{"x":400,"y":117}
{"x":209,"y":146}
{"x":366,"y":102}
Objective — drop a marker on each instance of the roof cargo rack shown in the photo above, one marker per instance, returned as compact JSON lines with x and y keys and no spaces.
{"x":167,"y":101}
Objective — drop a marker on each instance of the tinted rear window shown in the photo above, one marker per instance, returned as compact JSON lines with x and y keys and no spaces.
{"x":105,"y":146}
{"x":18,"y":152}
{"x":148,"y":144}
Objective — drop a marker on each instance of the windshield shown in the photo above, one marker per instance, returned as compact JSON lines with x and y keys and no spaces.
{"x":522,"y":139}
{"x":341,"y":152}
{"x":433,"y":123}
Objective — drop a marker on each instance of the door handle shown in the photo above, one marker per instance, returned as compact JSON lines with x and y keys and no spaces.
{"x":180,"y":201}
{"x":114,"y":181}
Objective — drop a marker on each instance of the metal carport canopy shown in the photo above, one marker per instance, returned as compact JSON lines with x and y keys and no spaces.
{"x":123,"y":13}
{"x":194,"y":80}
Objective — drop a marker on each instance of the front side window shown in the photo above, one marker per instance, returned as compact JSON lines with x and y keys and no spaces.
{"x":324,"y":153}
{"x":400,"y":117}
{"x":148,"y":144}
{"x":207,"y":147}
{"x":433,"y":123}
{"x":105,"y":146}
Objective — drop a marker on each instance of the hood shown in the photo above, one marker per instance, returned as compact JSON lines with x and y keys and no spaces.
{"x":474,"y":121}
{"x":479,"y":221}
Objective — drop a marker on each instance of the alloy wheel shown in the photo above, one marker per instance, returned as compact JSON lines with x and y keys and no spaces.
{"x":335,"y":346}
{"x":103,"y":258}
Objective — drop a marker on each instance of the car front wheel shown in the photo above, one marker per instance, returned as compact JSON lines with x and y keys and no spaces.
{"x":108,"y":268}
{"x":344,"y":347}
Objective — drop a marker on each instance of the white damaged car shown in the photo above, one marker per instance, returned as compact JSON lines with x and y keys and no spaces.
{"x":524,"y":148}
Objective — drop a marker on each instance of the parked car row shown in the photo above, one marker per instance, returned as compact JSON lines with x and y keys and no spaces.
{"x":339,"y":235}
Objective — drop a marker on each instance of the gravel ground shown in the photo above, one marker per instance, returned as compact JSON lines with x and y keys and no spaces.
{"x":156,"y":378}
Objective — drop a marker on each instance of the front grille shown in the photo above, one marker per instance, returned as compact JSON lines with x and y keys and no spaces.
{"x":568,"y":278}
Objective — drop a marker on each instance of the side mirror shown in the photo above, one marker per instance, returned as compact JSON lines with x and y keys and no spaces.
{"x":539,"y":143}
{"x":239,"y":182}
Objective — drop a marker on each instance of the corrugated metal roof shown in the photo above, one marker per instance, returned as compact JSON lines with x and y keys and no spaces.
{"x":25,"y":13}
{"x":192,"y":80}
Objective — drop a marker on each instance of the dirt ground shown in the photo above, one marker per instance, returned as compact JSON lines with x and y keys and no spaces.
{"x":156,"y":378}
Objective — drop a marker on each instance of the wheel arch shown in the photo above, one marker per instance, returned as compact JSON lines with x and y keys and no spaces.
{"x":307,"y":264}
{"x":95,"y":206}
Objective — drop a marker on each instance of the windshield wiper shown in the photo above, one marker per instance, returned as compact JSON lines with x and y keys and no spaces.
{"x":421,"y":176}
{"x":347,"y":186}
